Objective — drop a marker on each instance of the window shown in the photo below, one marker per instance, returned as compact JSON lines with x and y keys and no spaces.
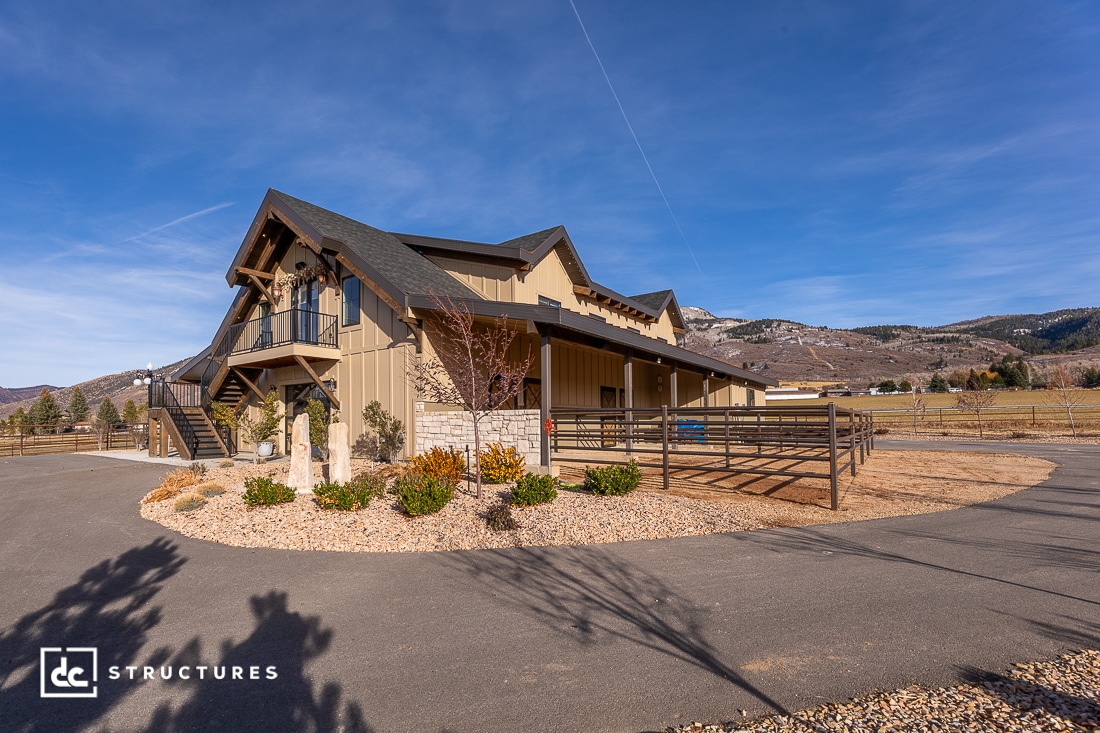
{"x":594,"y":317}
{"x":350,"y":290}
{"x":632,"y":329}
{"x":543,"y":300}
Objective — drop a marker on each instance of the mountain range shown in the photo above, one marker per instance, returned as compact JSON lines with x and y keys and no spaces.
{"x":794,"y":352}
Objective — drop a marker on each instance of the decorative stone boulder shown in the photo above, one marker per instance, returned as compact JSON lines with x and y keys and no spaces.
{"x":339,"y":453}
{"x":301,"y":457}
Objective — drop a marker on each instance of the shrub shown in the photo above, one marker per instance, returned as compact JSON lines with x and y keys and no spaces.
{"x":198,"y":470}
{"x":419,"y":494}
{"x":209,"y":489}
{"x":531,"y":489}
{"x":499,"y":518}
{"x":355,"y":494}
{"x":264,"y":491}
{"x":882,"y":430}
{"x":226,"y":463}
{"x":499,"y":465}
{"x":447,"y":466}
{"x":172,"y":485}
{"x":190,"y":502}
{"x":389,"y":431}
{"x":613,"y":480}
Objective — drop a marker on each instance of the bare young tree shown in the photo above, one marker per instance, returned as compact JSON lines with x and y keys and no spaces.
{"x":472,"y":365}
{"x":1063,"y":394}
{"x":975,"y":400}
{"x":917,"y":403}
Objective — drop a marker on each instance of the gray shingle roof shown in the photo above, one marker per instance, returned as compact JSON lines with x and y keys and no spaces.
{"x":654,"y":300}
{"x":403,"y":268}
{"x":529,"y":242}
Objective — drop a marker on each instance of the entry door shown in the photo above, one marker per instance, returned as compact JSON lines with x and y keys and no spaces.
{"x":303,"y":299}
{"x":297,"y":395}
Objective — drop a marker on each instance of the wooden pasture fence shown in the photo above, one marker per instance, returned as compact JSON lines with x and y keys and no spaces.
{"x":999,"y":420}
{"x":24,"y":442}
{"x":820,"y":441}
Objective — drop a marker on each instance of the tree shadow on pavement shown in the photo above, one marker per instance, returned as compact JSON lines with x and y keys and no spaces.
{"x":283,"y":639}
{"x":591,"y":596}
{"x":814,"y":541}
{"x":109,"y":608}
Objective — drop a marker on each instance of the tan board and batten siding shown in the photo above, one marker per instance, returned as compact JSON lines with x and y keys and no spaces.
{"x":373,"y":356}
{"x":549,"y":279}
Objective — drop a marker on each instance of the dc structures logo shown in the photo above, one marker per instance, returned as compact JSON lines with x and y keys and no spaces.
{"x":69,"y":672}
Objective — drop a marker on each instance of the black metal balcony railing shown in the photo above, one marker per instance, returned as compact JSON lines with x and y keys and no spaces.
{"x":294,"y":326}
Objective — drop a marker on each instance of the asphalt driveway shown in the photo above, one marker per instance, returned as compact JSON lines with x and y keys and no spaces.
{"x":627,"y":637}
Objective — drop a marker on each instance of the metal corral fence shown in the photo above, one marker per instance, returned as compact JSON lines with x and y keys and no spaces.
{"x":818,"y":441}
{"x":63,"y":439}
{"x":1001,"y":420}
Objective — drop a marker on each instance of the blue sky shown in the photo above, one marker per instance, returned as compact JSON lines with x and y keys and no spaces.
{"x":840,"y":164}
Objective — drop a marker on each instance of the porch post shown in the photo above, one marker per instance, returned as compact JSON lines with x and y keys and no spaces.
{"x":674,"y":397}
{"x":706,"y":390}
{"x":544,"y":403}
{"x":628,"y":389}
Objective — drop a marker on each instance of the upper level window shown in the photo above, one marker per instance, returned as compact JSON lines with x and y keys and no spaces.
{"x":594,"y":317}
{"x":543,"y":300}
{"x":350,"y":290}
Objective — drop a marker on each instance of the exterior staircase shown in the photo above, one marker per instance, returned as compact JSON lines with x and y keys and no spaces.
{"x":206,"y":443}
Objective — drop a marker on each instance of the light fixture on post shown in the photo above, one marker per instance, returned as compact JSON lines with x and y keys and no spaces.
{"x":147,"y":379}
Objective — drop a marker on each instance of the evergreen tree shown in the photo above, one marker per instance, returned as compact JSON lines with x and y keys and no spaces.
{"x":44,"y":414}
{"x":939,"y":384}
{"x":1091,"y":377}
{"x":107,"y":414}
{"x":18,"y":419}
{"x":905,"y":386}
{"x":78,"y":406}
{"x":131,"y":415}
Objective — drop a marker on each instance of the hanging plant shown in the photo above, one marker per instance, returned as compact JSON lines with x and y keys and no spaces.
{"x":304,"y":275}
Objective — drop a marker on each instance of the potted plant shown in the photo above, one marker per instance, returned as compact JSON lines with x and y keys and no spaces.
{"x":258,"y":432}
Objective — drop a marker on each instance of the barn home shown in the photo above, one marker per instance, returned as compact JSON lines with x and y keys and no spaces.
{"x":332,"y":309}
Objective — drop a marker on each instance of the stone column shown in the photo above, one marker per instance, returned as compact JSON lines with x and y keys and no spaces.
{"x":339,"y":453}
{"x":301,"y":457}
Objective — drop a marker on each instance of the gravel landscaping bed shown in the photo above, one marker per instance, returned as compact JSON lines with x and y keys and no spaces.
{"x":1062,"y":695}
{"x":891,"y":484}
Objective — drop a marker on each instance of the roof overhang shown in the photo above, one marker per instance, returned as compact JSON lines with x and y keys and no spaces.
{"x":567,"y":320}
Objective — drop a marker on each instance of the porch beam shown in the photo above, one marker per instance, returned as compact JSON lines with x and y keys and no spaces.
{"x":248,"y":382}
{"x":545,"y":355}
{"x":628,"y":388}
{"x":255,"y":273}
{"x":317,"y":380}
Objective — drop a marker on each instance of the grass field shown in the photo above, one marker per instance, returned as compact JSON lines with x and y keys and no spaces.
{"x":1013,"y":415}
{"x":1030,"y":398}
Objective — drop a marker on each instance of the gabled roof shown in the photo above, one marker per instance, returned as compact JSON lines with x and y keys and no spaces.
{"x":531,"y":242}
{"x":406,"y":270}
{"x":653,"y":301}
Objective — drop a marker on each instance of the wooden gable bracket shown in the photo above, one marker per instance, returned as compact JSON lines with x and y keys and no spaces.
{"x":416,"y":325}
{"x":317,"y":380}
{"x":261,"y":287}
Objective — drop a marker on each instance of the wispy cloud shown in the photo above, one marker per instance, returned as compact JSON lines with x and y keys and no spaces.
{"x":180,"y":220}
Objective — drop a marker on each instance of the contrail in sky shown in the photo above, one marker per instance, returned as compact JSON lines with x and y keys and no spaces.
{"x":180,"y":220}
{"x":636,"y":142}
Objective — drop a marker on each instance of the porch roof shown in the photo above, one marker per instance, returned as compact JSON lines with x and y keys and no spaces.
{"x":561,"y":319}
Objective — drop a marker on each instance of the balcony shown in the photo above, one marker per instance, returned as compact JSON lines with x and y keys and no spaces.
{"x":280,"y":337}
